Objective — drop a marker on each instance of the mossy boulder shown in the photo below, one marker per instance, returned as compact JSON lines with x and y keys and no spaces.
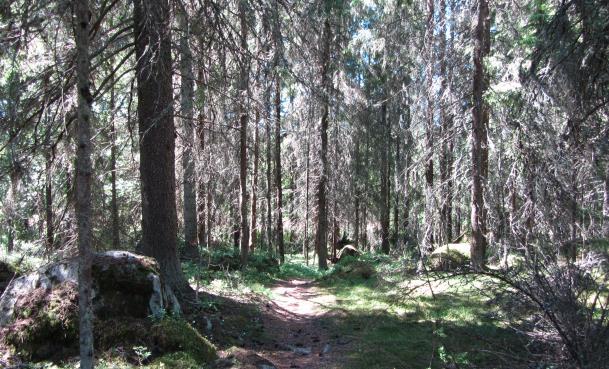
{"x":450,"y":256}
{"x":176,"y":335}
{"x":347,"y":251}
{"x":353,"y":268}
{"x":39,"y":311}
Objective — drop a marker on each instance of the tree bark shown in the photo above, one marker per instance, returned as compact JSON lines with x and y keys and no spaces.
{"x":48,"y":204}
{"x":189,"y":211}
{"x":446,"y":121}
{"x":113,"y":175}
{"x":157,"y":138}
{"x":321,"y":235}
{"x":384,"y":167}
{"x":606,"y":204}
{"x":243,"y":117}
{"x":306,"y":231}
{"x":479,"y":138}
{"x":83,"y":182}
{"x":278,"y":180}
{"x":253,"y":214}
{"x":428,"y":238}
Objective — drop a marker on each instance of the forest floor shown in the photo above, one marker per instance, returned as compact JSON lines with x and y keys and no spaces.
{"x":295,"y":322}
{"x":369,"y":313}
{"x":347,"y":318}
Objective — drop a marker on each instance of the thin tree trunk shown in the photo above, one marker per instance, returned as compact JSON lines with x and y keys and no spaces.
{"x":253,"y":215}
{"x":189,"y":210}
{"x":384,"y":167}
{"x":269,"y":182}
{"x":83,"y":183}
{"x":157,"y":138}
{"x":606,"y":204}
{"x":479,"y":138}
{"x":278,"y":184}
{"x":278,"y":181}
{"x":200,"y":180}
{"x":446,"y":151}
{"x":48,"y":204}
{"x":11,"y":203}
{"x":321,"y":236}
{"x":306,"y":235}
{"x":113,"y":175}
{"x":396,"y":193}
{"x":243,"y":90}
{"x":428,"y":238}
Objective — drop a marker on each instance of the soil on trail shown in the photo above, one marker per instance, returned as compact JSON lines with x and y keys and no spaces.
{"x":294,"y":321}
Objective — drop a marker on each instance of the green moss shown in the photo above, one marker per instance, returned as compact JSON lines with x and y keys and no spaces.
{"x":450,"y":256}
{"x":174,"y":334}
{"x":181,"y":359}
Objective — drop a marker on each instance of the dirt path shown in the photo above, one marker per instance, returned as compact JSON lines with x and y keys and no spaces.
{"x":293,"y":320}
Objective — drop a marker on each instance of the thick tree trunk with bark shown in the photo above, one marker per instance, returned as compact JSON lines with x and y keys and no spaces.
{"x":479,"y":137}
{"x":84,"y":174}
{"x":189,"y":210}
{"x":321,"y":235}
{"x":157,"y":138}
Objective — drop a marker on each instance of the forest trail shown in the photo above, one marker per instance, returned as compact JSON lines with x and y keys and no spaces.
{"x":295,"y":322}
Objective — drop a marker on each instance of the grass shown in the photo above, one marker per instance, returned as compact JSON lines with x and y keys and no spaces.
{"x":397,"y":325}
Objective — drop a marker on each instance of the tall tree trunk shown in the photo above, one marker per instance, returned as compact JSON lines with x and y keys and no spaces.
{"x":606,"y":204}
{"x":306,"y":235}
{"x":396,"y":193}
{"x":200,"y":173}
{"x":446,"y":123}
{"x":269,"y":182}
{"x":321,"y":235}
{"x":83,"y":182}
{"x":204,"y":158}
{"x":253,"y":215}
{"x":278,"y":184}
{"x":12,"y":201}
{"x":408,"y":159}
{"x":157,"y":138}
{"x":479,"y":137}
{"x":48,"y":203}
{"x":113,"y":175}
{"x":243,"y":117}
{"x":384,"y":167}
{"x":428,"y":238}
{"x":189,"y":210}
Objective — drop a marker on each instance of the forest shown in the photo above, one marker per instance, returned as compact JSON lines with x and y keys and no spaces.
{"x":315,"y":184}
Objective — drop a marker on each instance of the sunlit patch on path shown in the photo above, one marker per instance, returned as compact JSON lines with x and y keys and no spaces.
{"x":294,"y":321}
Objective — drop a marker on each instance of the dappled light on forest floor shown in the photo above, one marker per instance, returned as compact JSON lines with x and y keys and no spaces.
{"x":301,"y":298}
